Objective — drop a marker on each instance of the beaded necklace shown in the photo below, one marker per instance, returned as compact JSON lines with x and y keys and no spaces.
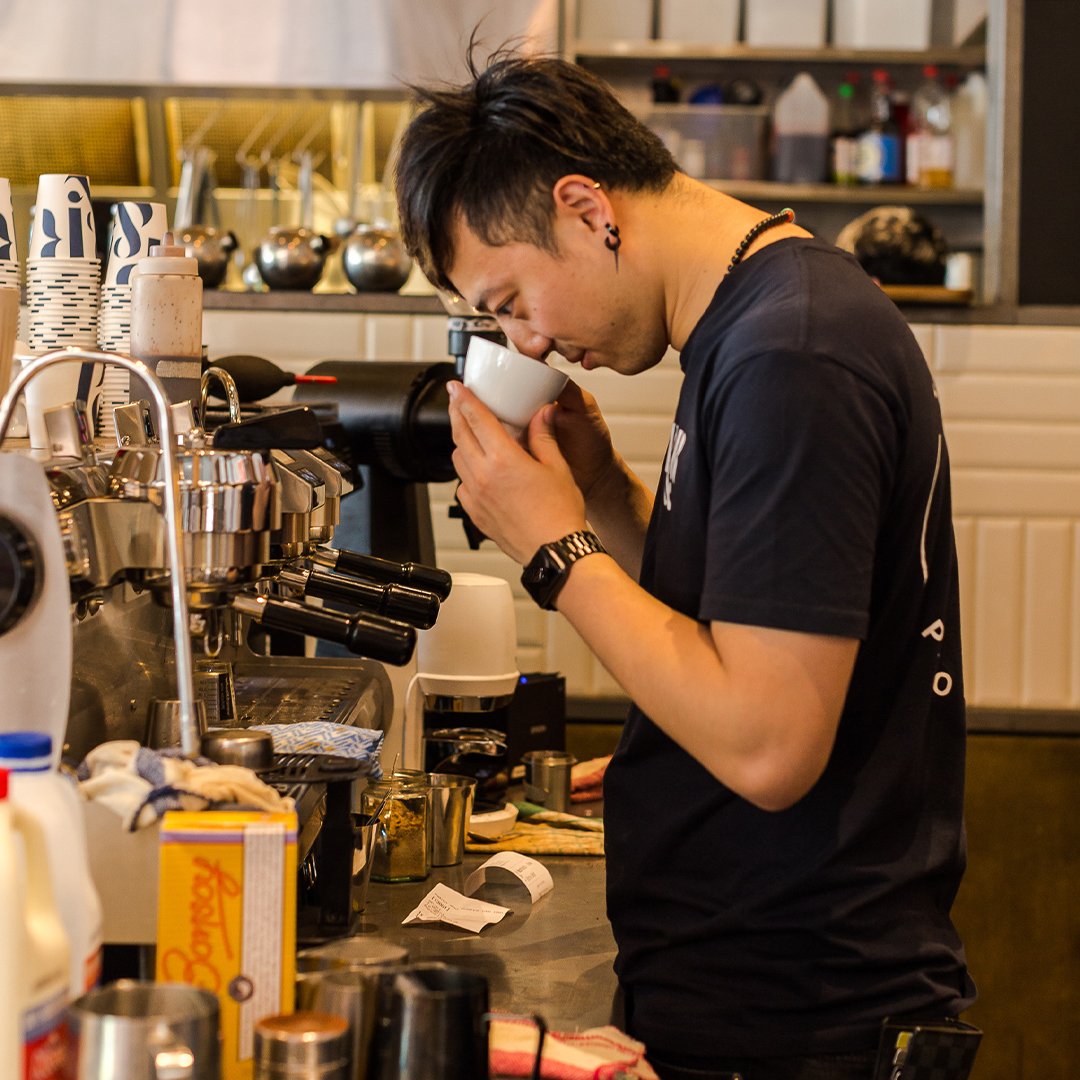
{"x":784,"y":217}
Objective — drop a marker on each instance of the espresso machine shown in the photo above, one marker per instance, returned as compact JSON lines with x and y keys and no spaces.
{"x":167,"y":554}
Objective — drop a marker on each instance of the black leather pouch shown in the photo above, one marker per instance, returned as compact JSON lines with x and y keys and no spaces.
{"x":932,"y":1049}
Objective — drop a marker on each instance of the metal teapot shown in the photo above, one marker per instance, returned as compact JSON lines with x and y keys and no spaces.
{"x":293,"y":257}
{"x":375,"y":259}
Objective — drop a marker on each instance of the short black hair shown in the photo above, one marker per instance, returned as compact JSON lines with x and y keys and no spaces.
{"x":493,"y":148}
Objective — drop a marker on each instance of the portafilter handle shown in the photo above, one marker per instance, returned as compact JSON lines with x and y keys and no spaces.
{"x":366,"y":635}
{"x":417,"y":607}
{"x":174,"y":536}
{"x":416,"y":575}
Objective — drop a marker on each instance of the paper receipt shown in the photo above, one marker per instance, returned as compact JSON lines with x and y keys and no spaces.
{"x":443,"y":904}
{"x":533,"y":875}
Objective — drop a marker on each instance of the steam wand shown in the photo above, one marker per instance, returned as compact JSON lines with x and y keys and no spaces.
{"x":185,"y":686}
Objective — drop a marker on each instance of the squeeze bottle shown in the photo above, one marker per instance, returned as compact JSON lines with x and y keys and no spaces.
{"x":34,"y":987}
{"x":166,"y":319}
{"x":46,"y":796}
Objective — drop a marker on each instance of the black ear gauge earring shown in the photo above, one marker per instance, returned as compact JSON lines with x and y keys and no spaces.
{"x":613,"y":241}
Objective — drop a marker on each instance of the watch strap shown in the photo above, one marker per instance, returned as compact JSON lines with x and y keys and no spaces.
{"x":577,"y":545}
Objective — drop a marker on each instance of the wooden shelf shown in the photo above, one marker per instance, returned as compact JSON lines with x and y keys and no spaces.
{"x":770,"y":191}
{"x":968,"y":56}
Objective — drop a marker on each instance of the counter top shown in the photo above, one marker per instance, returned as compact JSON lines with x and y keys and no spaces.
{"x":553,"y":957}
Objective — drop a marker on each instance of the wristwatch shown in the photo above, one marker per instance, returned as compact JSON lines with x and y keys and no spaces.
{"x":548,"y":569}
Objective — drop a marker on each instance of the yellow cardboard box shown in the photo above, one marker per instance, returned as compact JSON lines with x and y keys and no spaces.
{"x":227,"y":918}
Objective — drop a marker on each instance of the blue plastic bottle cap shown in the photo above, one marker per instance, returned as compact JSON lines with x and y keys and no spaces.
{"x":23,"y":751}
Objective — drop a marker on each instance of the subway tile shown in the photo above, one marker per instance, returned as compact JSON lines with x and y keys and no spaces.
{"x":965,"y":531}
{"x":640,"y":437}
{"x":998,"y":612}
{"x":567,"y":653}
{"x":924,"y":335}
{"x":1009,"y":396}
{"x":1006,"y":444}
{"x":1045,"y":640}
{"x":388,"y":337}
{"x":283,"y":335}
{"x":429,"y":338}
{"x":1027,"y":349}
{"x":1015,"y":493}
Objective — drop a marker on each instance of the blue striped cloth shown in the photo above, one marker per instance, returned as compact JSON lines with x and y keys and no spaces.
{"x":325,"y":737}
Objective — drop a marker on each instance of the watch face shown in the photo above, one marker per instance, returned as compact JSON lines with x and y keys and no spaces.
{"x":542,"y":577}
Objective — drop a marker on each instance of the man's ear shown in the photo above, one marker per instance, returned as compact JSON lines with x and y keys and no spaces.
{"x":580,"y":197}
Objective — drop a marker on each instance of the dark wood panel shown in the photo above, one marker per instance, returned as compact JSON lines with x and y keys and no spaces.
{"x":1017,"y":909}
{"x":1050,"y":153}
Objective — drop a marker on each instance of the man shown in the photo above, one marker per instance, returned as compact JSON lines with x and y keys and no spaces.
{"x":783,"y":812}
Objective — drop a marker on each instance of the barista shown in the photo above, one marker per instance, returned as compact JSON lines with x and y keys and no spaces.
{"x":784,"y":809}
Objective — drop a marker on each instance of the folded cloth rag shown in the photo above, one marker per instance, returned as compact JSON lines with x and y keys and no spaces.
{"x":139,"y":784}
{"x":326,"y":737}
{"x":601,"y":1053}
{"x":545,"y":832}
{"x":539,"y":840}
{"x":587,"y":779}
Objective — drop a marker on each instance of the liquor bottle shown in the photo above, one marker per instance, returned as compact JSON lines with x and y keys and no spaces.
{"x":879,"y":145}
{"x":930,"y":143}
{"x":845,"y":138}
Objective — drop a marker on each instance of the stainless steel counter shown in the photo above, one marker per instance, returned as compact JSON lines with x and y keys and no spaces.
{"x":553,"y":957}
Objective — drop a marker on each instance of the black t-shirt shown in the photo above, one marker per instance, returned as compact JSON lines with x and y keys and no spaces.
{"x":805,"y":487}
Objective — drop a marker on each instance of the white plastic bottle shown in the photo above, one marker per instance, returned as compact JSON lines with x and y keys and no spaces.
{"x":969,"y":131}
{"x":34,"y":984}
{"x":801,"y":127}
{"x":166,"y":318}
{"x":37,"y":788}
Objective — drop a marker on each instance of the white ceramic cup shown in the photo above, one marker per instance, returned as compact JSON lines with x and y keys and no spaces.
{"x":511,"y":385}
{"x":63,"y":219}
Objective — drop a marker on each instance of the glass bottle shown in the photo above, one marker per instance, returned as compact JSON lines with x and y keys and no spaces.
{"x":879,"y":145}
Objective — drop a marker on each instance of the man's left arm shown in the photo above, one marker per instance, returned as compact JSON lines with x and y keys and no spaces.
{"x":757,"y":707}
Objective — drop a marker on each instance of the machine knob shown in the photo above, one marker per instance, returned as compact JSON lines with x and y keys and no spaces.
{"x":20,"y":573}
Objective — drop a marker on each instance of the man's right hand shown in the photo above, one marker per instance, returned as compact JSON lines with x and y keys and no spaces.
{"x":617,"y":504}
{"x":584,"y":438}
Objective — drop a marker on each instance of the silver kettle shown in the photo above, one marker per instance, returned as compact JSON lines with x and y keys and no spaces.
{"x":375,"y":259}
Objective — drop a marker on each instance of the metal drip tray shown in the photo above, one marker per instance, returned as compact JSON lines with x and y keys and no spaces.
{"x":276,"y":692}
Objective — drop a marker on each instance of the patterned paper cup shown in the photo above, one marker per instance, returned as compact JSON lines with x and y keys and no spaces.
{"x":63,"y":219}
{"x":9,"y":255}
{"x":135,"y":227}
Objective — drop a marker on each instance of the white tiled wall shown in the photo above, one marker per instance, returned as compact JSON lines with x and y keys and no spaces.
{"x":1011,"y":399}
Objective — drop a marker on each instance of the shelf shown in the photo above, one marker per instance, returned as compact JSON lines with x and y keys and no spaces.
{"x":768,"y":190}
{"x":653,"y":51}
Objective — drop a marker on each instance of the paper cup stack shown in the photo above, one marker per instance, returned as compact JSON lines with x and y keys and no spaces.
{"x":63,"y":285}
{"x":9,"y":255}
{"x":135,"y":227}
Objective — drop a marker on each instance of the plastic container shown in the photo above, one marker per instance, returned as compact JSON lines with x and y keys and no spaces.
{"x":881,"y":24}
{"x":53,"y":802}
{"x":166,"y":318}
{"x":969,"y":131}
{"x":35,"y":654}
{"x":34,"y":974}
{"x":717,"y":142}
{"x":702,"y":22}
{"x":614,"y":20}
{"x":402,"y":835}
{"x":801,"y":133}
{"x":785,"y":24}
